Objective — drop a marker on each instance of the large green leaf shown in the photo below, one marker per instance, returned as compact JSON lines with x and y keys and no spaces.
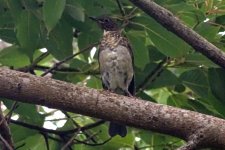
{"x":34,"y":142}
{"x":52,"y":12}
{"x":186,"y":12}
{"x":140,"y":51}
{"x":13,"y":56}
{"x":217,"y":83}
{"x":27,"y":112}
{"x":196,"y":60}
{"x":20,"y":133}
{"x":155,"y":141}
{"x":162,"y":79}
{"x":208,"y":31}
{"x":28,"y":32}
{"x":166,"y":42}
{"x":98,"y":7}
{"x":7,"y":33}
{"x":197,"y":81}
{"x":59,"y":41}
{"x":75,"y":10}
{"x":15,"y":8}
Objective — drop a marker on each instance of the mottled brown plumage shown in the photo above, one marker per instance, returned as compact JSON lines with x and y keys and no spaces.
{"x":116,"y":65}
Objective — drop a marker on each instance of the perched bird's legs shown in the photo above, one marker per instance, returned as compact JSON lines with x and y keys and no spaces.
{"x":128,"y":93}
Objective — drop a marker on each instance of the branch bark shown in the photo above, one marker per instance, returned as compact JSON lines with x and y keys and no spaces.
{"x":173,"y":24}
{"x":206,"y":131}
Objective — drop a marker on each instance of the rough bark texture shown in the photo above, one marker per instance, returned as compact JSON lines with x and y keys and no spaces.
{"x":173,"y":24}
{"x":191,"y":126}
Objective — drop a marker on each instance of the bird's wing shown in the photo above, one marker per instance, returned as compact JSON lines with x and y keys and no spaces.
{"x":126,"y":43}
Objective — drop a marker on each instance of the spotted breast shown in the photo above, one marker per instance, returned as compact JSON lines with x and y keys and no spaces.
{"x":116,"y":64}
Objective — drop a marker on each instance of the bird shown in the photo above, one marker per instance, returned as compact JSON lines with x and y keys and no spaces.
{"x":116,"y":64}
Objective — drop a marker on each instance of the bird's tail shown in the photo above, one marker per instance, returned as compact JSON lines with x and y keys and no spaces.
{"x":115,"y":129}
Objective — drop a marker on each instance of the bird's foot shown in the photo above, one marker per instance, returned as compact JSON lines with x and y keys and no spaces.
{"x":128,"y":93}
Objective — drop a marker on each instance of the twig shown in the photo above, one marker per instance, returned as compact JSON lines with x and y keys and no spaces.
{"x":68,"y":70}
{"x":153,"y":74}
{"x":121,"y":8}
{"x":5,"y":131}
{"x":41,"y":129}
{"x":70,"y":141}
{"x":21,"y":145}
{"x":30,"y":68}
{"x":9,"y":114}
{"x":38,"y":59}
{"x":76,"y":141}
{"x":6,"y":144}
{"x":56,"y":65}
{"x":65,"y":141}
{"x":45,"y":135}
{"x":90,"y":144}
{"x":77,"y":125}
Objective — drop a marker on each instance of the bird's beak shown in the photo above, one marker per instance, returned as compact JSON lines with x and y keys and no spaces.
{"x":93,"y":18}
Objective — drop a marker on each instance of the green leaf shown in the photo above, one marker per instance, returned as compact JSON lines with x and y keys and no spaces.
{"x":7,"y":33}
{"x":217,"y":83}
{"x":88,"y":38}
{"x":140,"y":51}
{"x":155,"y":54}
{"x":75,"y":10}
{"x":26,"y":112}
{"x":197,"y":59}
{"x":98,"y":7}
{"x":59,"y":41}
{"x":158,"y":141}
{"x":13,"y":56}
{"x":197,"y":81}
{"x":15,"y":8}
{"x":20,"y":133}
{"x":220,"y":20}
{"x":34,"y":142}
{"x":165,"y":41}
{"x":208,"y":31}
{"x":52,"y":12}
{"x":94,"y":82}
{"x":165,"y":78}
{"x":28,"y":32}
{"x":186,"y":12}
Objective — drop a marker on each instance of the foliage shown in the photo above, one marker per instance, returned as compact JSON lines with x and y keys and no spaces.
{"x":187,"y":79}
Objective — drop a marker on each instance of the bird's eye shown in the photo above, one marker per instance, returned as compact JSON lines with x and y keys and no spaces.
{"x":106,"y":20}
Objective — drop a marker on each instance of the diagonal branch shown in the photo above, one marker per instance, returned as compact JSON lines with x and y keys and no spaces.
{"x":56,"y":65}
{"x":131,"y":111}
{"x":173,"y":24}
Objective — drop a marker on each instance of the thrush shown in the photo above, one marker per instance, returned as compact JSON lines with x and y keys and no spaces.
{"x":116,"y":65}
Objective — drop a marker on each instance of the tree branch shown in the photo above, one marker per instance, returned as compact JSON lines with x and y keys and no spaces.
{"x":173,"y":24}
{"x":131,"y":111}
{"x":56,"y":65}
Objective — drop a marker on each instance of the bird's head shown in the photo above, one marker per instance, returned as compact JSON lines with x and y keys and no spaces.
{"x":106,"y":23}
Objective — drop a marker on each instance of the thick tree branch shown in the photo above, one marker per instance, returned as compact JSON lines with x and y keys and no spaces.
{"x":173,"y":24}
{"x":206,"y":131}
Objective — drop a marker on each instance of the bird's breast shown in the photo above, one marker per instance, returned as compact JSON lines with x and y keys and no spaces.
{"x":116,"y":67}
